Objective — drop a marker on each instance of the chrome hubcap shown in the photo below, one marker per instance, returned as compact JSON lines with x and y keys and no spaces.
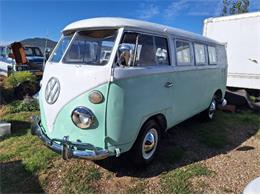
{"x":212,"y":108}
{"x":149,"y":143}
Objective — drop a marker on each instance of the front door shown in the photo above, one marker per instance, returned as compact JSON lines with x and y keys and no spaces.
{"x":139,"y":88}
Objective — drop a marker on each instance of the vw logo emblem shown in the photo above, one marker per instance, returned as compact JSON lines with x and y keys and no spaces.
{"x":52,"y":90}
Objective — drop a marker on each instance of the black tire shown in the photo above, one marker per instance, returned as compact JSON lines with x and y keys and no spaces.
{"x":26,"y":88}
{"x":138,"y":155}
{"x":209,"y":113}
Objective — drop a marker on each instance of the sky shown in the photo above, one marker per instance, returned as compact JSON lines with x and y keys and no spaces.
{"x":21,"y":19}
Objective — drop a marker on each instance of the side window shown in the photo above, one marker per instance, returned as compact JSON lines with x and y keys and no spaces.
{"x":200,"y":56}
{"x":38,"y":52}
{"x":183,"y":52}
{"x":212,"y":55}
{"x":145,"y":51}
{"x":28,"y":51}
{"x":161,"y":48}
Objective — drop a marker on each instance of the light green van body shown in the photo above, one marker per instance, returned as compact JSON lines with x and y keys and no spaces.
{"x":140,"y":94}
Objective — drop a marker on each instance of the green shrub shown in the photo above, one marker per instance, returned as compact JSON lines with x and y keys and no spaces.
{"x":19,"y":77}
{"x":22,"y":106}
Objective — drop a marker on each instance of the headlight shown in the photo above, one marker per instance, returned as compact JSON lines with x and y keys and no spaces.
{"x":95,"y":97}
{"x":82,"y":117}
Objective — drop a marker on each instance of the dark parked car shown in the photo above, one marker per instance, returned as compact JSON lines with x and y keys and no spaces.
{"x":17,"y":57}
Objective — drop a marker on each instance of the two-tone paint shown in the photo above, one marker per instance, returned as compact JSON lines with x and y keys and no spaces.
{"x":132,"y":95}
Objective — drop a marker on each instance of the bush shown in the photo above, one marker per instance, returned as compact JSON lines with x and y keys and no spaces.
{"x":17,"y":78}
{"x":26,"y":105}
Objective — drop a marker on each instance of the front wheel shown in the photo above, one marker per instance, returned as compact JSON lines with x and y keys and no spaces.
{"x":209,"y":113}
{"x":146,"y":146}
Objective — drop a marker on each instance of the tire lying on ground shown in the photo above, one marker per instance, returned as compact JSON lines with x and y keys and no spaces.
{"x":26,"y":88}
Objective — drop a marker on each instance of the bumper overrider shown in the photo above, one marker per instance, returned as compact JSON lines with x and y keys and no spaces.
{"x":66,"y":148}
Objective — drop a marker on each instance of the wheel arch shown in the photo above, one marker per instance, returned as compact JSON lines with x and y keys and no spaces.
{"x":159,"y":118}
{"x":218,"y":94}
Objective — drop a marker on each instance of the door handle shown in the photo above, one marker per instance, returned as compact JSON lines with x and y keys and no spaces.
{"x":168,"y":84}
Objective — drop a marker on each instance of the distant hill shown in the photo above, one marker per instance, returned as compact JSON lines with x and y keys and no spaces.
{"x":39,"y":42}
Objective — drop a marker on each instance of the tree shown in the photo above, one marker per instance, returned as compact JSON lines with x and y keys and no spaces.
{"x":231,"y":7}
{"x":226,"y":4}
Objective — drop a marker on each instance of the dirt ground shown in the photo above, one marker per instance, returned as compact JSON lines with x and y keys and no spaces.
{"x":220,"y":156}
{"x":231,"y":167}
{"x":233,"y":170}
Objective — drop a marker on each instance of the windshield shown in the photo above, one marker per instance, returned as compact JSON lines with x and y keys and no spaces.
{"x":60,"y":49}
{"x":89,"y":47}
{"x":38,"y":52}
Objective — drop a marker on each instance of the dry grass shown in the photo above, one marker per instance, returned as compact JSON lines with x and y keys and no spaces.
{"x":216,"y":157}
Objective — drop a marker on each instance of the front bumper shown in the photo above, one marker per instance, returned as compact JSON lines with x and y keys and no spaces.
{"x":66,"y":148}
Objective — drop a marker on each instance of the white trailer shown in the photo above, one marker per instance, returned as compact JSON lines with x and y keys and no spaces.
{"x":241,"y":34}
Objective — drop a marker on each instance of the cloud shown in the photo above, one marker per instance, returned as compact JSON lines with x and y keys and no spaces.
{"x":175,"y":7}
{"x":206,"y":8}
{"x":218,"y":8}
{"x":4,"y":42}
{"x":209,"y":8}
{"x":148,"y":11}
{"x":170,"y":10}
{"x":199,"y":13}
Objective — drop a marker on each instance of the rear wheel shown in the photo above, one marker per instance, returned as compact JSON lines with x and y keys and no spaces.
{"x":147,"y":144}
{"x":209,"y":113}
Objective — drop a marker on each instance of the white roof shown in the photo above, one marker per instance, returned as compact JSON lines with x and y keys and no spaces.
{"x":233,"y":17}
{"x":114,"y":22}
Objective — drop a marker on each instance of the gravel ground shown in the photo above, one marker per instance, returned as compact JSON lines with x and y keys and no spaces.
{"x":234,"y":170}
{"x":231,"y":167}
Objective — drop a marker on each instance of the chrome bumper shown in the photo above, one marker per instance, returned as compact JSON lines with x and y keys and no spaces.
{"x":66,"y":148}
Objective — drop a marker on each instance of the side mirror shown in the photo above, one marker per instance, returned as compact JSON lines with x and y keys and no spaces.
{"x":124,"y":55}
{"x":47,"y":53}
{"x":47,"y":50}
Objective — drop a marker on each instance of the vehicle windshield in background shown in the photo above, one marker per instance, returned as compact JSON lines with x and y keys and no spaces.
{"x":2,"y":52}
{"x":92,"y":47}
{"x":60,"y":49}
{"x":33,"y":51}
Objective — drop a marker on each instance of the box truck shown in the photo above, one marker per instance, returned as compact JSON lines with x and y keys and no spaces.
{"x":241,"y":34}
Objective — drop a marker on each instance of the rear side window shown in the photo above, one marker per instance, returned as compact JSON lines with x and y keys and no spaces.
{"x":200,"y":56}
{"x":161,"y":53}
{"x":212,"y":55}
{"x":183,"y":52}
